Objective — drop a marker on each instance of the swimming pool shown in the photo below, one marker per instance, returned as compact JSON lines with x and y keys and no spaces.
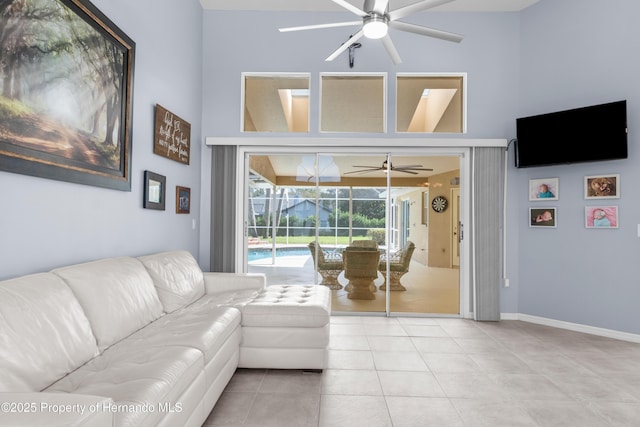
{"x":262,"y":253}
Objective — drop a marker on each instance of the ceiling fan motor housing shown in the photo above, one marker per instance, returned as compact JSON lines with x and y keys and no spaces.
{"x":369,"y":7}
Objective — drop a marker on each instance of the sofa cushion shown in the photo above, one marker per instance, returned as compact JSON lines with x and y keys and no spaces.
{"x":177,"y":278}
{"x":205,"y":328}
{"x":140,"y":383}
{"x":117,"y":295}
{"x":302,"y":306}
{"x":44,"y":333}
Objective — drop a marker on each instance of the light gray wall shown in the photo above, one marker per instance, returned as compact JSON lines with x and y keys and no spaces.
{"x":236,"y":42}
{"x":557,"y":54}
{"x":576,"y":53}
{"x":46,"y":223}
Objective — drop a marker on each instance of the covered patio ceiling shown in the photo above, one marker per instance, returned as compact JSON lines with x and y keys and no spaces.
{"x":340,"y":169}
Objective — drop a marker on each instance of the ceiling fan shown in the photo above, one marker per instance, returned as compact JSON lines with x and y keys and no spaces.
{"x":404,"y":168}
{"x":376,"y":20}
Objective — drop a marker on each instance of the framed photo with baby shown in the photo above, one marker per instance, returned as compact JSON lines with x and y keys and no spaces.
{"x":601,"y":216}
{"x":543,"y":217}
{"x":544,"y":189}
{"x":602,"y":186}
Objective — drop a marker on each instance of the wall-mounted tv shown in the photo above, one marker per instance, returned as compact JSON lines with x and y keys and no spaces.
{"x":586,"y":134}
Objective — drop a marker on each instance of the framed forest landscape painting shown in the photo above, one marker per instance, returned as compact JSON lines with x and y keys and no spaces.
{"x":66,"y":93}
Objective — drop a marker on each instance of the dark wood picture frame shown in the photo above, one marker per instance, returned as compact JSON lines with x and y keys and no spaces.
{"x":183,"y":200}
{"x":67,"y":109}
{"x":155,"y":191}
{"x":171,"y":136}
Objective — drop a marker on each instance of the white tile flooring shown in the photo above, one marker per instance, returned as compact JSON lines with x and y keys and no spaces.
{"x":445,"y":372}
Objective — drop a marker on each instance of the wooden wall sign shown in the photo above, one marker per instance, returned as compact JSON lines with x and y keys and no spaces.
{"x":172,"y":136}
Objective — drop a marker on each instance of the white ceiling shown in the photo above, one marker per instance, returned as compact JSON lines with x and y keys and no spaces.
{"x":328,"y":5}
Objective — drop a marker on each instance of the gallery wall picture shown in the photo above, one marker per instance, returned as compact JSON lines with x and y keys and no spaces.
{"x":66,"y":94}
{"x":172,"y":136}
{"x":155,"y":191}
{"x":601,"y":216}
{"x":544,"y":189}
{"x":543,"y":217}
{"x":602,"y":186}
{"x":183,"y":200}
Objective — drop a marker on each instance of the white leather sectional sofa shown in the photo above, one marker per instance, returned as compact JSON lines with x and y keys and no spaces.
{"x":148,"y":341}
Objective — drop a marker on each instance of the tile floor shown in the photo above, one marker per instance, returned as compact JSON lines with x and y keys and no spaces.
{"x":429,"y":289}
{"x":445,"y":372}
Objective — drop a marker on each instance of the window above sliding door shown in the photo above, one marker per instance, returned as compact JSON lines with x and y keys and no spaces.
{"x":275,"y":103}
{"x":430,"y":103}
{"x":353,"y":103}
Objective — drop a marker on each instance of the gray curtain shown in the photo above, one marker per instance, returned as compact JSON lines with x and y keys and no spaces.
{"x":223,"y":208}
{"x":488,"y":186}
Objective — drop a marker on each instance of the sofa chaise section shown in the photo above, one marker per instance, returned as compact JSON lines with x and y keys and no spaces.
{"x":147,"y":341}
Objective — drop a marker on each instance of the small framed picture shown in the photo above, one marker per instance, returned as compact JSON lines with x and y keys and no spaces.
{"x":543,"y":217}
{"x":602,"y":187}
{"x":154,"y":191}
{"x":601,"y":216}
{"x":183,"y":200}
{"x":544,"y":189}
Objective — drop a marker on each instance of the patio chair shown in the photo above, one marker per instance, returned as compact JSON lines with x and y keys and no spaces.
{"x":329,"y":265}
{"x":398,"y":267}
{"x":361,"y":268}
{"x":364,"y":244}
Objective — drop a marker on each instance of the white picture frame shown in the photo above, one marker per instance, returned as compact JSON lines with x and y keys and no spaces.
{"x":604,"y":186}
{"x":544,"y":189}
{"x":601,"y":217}
{"x":546,"y":217}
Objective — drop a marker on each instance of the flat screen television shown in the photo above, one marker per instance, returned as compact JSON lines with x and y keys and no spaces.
{"x":586,"y":134}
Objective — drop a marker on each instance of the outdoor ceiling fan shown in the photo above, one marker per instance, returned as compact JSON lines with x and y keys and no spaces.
{"x":376,"y":20}
{"x":404,"y":168}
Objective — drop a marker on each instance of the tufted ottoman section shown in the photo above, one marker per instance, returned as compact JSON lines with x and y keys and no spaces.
{"x":286,"y":327}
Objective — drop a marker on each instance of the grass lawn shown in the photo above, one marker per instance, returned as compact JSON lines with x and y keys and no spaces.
{"x":323,"y":240}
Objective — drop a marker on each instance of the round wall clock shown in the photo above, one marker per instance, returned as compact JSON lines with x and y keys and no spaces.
{"x":439,"y":204}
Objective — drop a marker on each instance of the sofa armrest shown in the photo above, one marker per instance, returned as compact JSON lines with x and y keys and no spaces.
{"x":55,"y":409}
{"x":224,"y":282}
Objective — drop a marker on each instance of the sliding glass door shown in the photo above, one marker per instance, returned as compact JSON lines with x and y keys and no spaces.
{"x":362,"y":225}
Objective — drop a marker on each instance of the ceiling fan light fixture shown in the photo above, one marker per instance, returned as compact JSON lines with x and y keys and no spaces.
{"x":375,"y":26}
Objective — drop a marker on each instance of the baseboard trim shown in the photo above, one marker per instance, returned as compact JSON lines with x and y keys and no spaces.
{"x":593,"y":330}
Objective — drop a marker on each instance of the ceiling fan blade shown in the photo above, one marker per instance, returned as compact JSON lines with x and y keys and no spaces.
{"x":345,"y":45}
{"x":425,"y":31}
{"x":320,"y":26}
{"x":351,"y":8}
{"x":380,"y":6}
{"x":391,"y":49}
{"x":415,"y":8}
{"x":371,"y":167}
{"x":406,"y":171}
{"x":407,"y":166}
{"x":362,"y":171}
{"x":414,"y":169}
